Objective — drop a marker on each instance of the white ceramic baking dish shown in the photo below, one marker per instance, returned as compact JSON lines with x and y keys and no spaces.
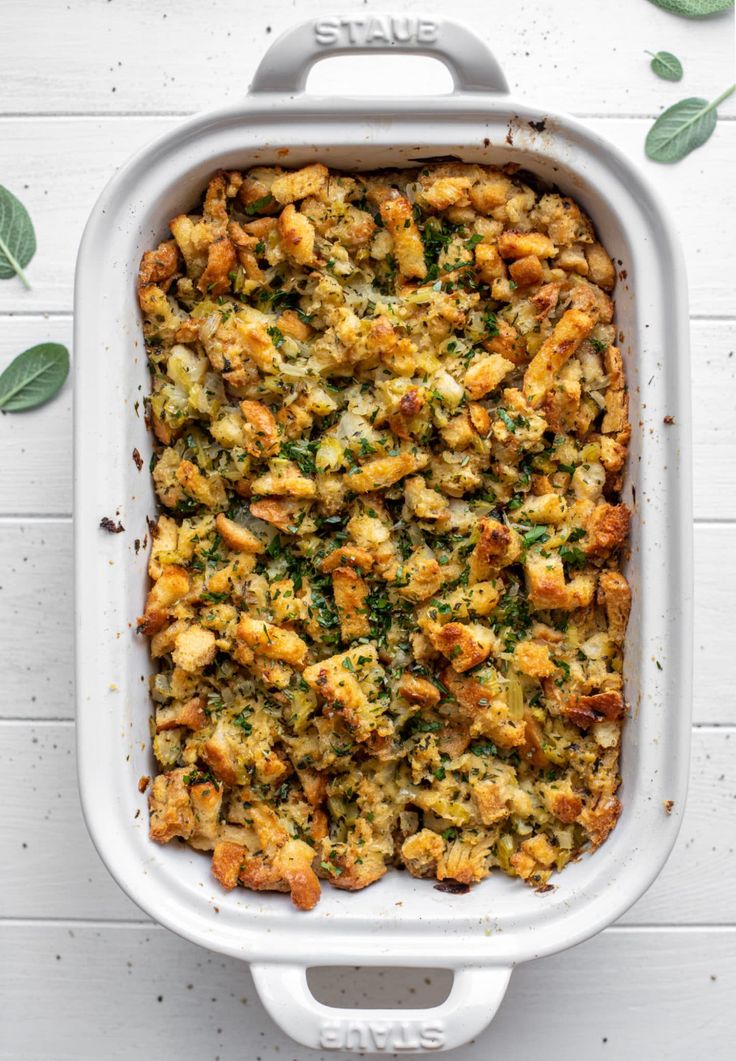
{"x":399,"y":921}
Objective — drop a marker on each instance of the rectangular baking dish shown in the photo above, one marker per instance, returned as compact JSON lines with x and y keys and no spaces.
{"x":398,"y":921}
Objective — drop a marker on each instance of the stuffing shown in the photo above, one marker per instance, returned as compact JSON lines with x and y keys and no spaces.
{"x":386,"y":612}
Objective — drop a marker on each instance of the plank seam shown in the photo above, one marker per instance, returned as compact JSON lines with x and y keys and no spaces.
{"x":618,"y":929}
{"x":144,"y":114}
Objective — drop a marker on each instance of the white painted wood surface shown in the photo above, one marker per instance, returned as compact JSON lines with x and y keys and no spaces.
{"x":84,"y":84}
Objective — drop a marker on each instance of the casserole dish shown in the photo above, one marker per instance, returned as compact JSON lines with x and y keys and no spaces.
{"x":400,"y":920}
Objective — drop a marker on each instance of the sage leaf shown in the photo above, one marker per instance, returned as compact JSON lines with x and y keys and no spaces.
{"x":17,"y":237}
{"x":683,"y":127}
{"x":667,"y":66}
{"x":33,"y":377}
{"x":694,"y":8}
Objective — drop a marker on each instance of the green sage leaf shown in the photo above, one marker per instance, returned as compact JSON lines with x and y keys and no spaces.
{"x":17,"y":237}
{"x":33,"y":377}
{"x":667,"y":66}
{"x":682,"y":128}
{"x":694,"y":8}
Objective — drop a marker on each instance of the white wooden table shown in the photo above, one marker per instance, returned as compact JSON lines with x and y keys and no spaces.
{"x":83,"y":974}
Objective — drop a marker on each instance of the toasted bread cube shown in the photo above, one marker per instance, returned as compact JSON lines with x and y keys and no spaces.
{"x":489,"y":264}
{"x":526,"y":271}
{"x":194,"y":648}
{"x":419,"y":690}
{"x":171,"y":586}
{"x":206,"y":799}
{"x":467,"y":602}
{"x":545,"y":577}
{"x":208,"y":490}
{"x":290,"y":323}
{"x":497,"y":546}
{"x":540,"y":849}
{"x":384,"y":471}
{"x":297,"y":235}
{"x":159,"y":267}
{"x":271,"y":641}
{"x":347,"y":556}
{"x":163,"y":546}
{"x":584,"y":711}
{"x":607,"y":529}
{"x":601,"y":269}
{"x":227,"y":861}
{"x":487,"y":715}
{"x":485,"y":374}
{"x":341,"y":681}
{"x":221,"y":260}
{"x":286,"y":607}
{"x":422,"y":501}
{"x":236,"y":536}
{"x":298,"y":184}
{"x":399,"y":220}
{"x":615,"y":596}
{"x":490,"y":191}
{"x":513,"y":244}
{"x":421,"y":852}
{"x":464,"y":644}
{"x":284,"y":479}
{"x":170,"y":807}
{"x":562,"y":801}
{"x":191,"y":715}
{"x":446,"y":192}
{"x":283,"y":512}
{"x":490,"y":801}
{"x":543,"y":508}
{"x":260,"y":431}
{"x":532,"y":658}
{"x":562,"y":404}
{"x":351,"y":601}
{"x":616,"y":418}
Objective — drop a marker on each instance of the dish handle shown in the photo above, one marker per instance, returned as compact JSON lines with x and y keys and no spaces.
{"x":476,"y":994}
{"x":286,"y":65}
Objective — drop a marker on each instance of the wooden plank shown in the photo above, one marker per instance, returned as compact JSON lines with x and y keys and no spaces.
{"x":105,"y":988}
{"x":53,"y":871}
{"x":50,"y":868}
{"x":35,"y":558}
{"x":139,"y":56}
{"x":36,"y":620}
{"x":59,"y":166}
{"x":714,"y":424}
{"x":37,"y":445}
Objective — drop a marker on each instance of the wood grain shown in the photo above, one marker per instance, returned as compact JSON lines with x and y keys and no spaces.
{"x":150,"y":56}
{"x":59,"y":188}
{"x":54,"y":872}
{"x":112,"y":992}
